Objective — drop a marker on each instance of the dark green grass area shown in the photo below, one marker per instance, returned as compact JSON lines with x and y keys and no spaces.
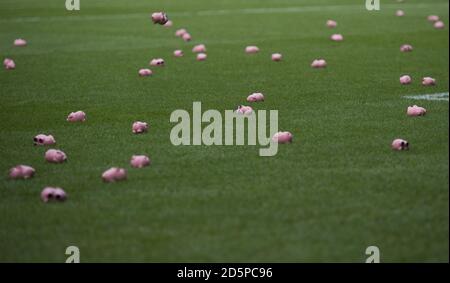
{"x":337,"y":189}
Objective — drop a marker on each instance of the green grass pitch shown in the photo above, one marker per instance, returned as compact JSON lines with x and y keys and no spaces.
{"x":337,"y":189}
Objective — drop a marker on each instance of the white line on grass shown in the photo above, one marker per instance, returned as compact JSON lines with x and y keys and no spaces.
{"x":436,"y":96}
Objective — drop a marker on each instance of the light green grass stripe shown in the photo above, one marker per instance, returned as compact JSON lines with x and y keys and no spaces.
{"x":296,"y":9}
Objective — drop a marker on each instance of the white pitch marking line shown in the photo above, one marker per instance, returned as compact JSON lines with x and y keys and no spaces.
{"x":436,"y":96}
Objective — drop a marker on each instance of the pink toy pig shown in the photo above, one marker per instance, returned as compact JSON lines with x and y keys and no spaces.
{"x":331,"y":24}
{"x":406,"y":48}
{"x":47,"y":194}
{"x":139,"y":161}
{"x":201,"y":56}
{"x":160,"y":18}
{"x":255,"y":97}
{"x":78,"y":116}
{"x":405,"y":80}
{"x":180,"y":32}
{"x":178,"y":53}
{"x":416,"y":111}
{"x":428,"y":81}
{"x":60,"y":194}
{"x":55,"y":156}
{"x":337,"y":37}
{"x":319,"y":63}
{"x":145,"y":72}
{"x":9,"y":64}
{"x":157,"y":62}
{"x":50,"y":193}
{"x":399,"y":144}
{"x":399,"y":13}
{"x":186,"y":37}
{"x":200,"y":48}
{"x":139,"y":127}
{"x":21,"y":172}
{"x":439,"y":25}
{"x":114,"y":174}
{"x":20,"y":42}
{"x":433,"y":18}
{"x":42,"y":139}
{"x":282,"y":137}
{"x":245,"y":110}
{"x":277,"y":57}
{"x":251,"y":49}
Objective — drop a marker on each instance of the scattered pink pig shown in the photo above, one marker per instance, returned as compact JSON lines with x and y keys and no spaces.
{"x":139,"y":127}
{"x":180,"y":32}
{"x":114,"y":174}
{"x":416,"y":111}
{"x":50,"y":194}
{"x":319,"y":63}
{"x":60,"y":194}
{"x":139,"y":161}
{"x":186,"y":37}
{"x":406,"y":48}
{"x":20,"y":42}
{"x":399,"y":13}
{"x":399,"y":144}
{"x":55,"y":156}
{"x":21,"y":172}
{"x":251,"y":49}
{"x":405,"y":80}
{"x":178,"y":53}
{"x":78,"y":116}
{"x":157,"y":62}
{"x":200,"y":48}
{"x":439,"y":25}
{"x":160,"y":18}
{"x":244,"y":110}
{"x":255,"y":97}
{"x":282,"y":137}
{"x":201,"y":56}
{"x":433,"y":18}
{"x":47,"y":194}
{"x":168,"y":24}
{"x":337,"y":37}
{"x":145,"y":72}
{"x":42,"y":139}
{"x":276,"y":57}
{"x":428,"y":81}
{"x":9,"y":64}
{"x":331,"y":24}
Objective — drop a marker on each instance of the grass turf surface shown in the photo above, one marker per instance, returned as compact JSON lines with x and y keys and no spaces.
{"x":336,"y":190}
